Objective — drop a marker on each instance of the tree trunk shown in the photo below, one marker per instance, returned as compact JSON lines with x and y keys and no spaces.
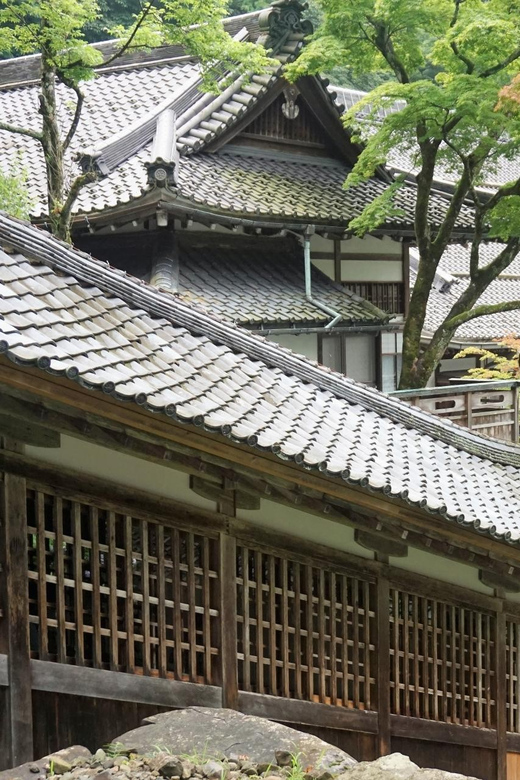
{"x":52,"y":149}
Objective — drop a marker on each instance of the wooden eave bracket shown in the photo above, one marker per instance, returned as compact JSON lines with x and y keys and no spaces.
{"x":381,"y":544}
{"x":497,"y":581}
{"x":214,"y":492}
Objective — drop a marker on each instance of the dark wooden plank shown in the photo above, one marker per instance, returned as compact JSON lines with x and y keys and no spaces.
{"x":228,"y":613}
{"x":298,"y":688}
{"x":434,"y":731}
{"x":16,"y":737}
{"x":306,"y":712}
{"x":206,"y":600}
{"x":383,"y":666}
{"x":273,"y":687}
{"x":246,"y":629}
{"x":105,"y":684}
{"x":259,"y":621}
{"x":177,"y":617}
{"x":192,"y":636}
{"x":310,"y":633}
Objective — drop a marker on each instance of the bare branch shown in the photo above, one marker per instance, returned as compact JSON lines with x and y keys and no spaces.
{"x":21,"y":131}
{"x":481,"y":311}
{"x":77,"y":113}
{"x":78,"y":183}
{"x":128,"y":43}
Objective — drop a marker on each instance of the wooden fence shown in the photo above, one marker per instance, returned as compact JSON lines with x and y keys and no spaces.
{"x":115,"y":596}
{"x":489,"y":408}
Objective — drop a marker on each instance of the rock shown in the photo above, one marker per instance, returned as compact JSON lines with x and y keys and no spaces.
{"x":264,"y":767}
{"x":248,"y":768}
{"x":396,"y":767}
{"x":213,"y":770}
{"x":30,"y":770}
{"x":33,"y":768}
{"x":59,"y":765}
{"x":217,"y":732}
{"x":188,"y":769}
{"x":99,"y":756}
{"x":283,"y":757}
{"x":169,"y":767}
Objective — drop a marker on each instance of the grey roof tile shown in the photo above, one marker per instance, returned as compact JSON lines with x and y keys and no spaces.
{"x":201,"y":370}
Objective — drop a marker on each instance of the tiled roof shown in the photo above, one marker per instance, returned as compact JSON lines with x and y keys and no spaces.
{"x":262,"y":283}
{"x":455,"y":264}
{"x":117,"y":126}
{"x":66,"y":313}
{"x":494,"y":175}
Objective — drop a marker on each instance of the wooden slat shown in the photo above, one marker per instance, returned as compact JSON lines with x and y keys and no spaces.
{"x":177,"y":619}
{"x":228,"y":611}
{"x":273,"y":687}
{"x":206,"y":600}
{"x":345,"y":635}
{"x":192,"y":636}
{"x":259,"y":622}
{"x":383,"y":665}
{"x":145,"y":605}
{"x":355,"y":637}
{"x":298,"y":687}
{"x":333,"y":645}
{"x":112,"y":608}
{"x":501,"y":694}
{"x":42,"y":576}
{"x":322,"y":664}
{"x":60,"y":576}
{"x":246,"y":628}
{"x":129,"y":601}
{"x":161,"y":607}
{"x":285,"y":631}
{"x":78,"y":584}
{"x":96,"y":606}
{"x":310,"y":633}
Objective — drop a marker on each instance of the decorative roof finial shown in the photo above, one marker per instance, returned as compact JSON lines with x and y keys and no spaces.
{"x":162,"y":167}
{"x":282,"y":18}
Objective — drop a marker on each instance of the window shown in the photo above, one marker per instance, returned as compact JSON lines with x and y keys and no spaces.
{"x":391,"y":360}
{"x":350,"y":354}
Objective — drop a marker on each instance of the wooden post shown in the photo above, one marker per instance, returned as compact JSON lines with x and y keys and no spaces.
{"x":337,"y":260}
{"x":228,"y":621}
{"x":515,"y":431}
{"x":383,"y":667}
{"x":501,"y":692}
{"x":16,"y":741}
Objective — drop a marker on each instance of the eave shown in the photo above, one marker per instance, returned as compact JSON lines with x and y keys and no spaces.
{"x":60,"y":404}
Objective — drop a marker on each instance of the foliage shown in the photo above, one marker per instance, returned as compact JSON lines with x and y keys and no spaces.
{"x":15,"y":198}
{"x":451,"y":102}
{"x":493,"y":365}
{"x":58,"y":30}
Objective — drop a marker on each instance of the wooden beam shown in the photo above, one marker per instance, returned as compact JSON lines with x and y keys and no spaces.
{"x":228,"y":623}
{"x":380,"y":544}
{"x":307,"y":712}
{"x":384,"y":745}
{"x":406,"y":275}
{"x":16,"y":739}
{"x":28,"y":433}
{"x":103,"y":684}
{"x":501,"y":581}
{"x":211,"y":491}
{"x":436,"y":731}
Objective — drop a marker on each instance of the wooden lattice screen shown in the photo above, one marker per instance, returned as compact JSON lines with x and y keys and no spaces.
{"x":113,"y":591}
{"x":513,"y":675}
{"x":304,"y":632}
{"x":442,"y":661}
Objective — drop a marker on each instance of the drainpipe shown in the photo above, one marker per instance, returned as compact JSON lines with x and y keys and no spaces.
{"x":336,"y":316}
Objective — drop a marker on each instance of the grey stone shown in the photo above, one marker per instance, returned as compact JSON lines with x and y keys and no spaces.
{"x":59,"y":765}
{"x":237,"y":736}
{"x":99,"y":756}
{"x":170,"y":766}
{"x":213,"y":770}
{"x":34,"y":768}
{"x":283,"y":757}
{"x":395,"y":767}
{"x":264,"y":767}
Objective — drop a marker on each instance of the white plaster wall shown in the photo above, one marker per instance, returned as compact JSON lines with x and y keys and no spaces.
{"x":118,"y":467}
{"x":371,"y":270}
{"x":368,"y":244}
{"x":304,"y":344}
{"x":164,"y":481}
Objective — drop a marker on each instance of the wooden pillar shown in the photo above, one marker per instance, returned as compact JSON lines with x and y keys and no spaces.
{"x":501,"y":693}
{"x":16,"y":740}
{"x":337,"y":260}
{"x":383,"y":667}
{"x":228,"y":621}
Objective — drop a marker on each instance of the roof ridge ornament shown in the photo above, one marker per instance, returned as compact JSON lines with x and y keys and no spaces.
{"x":162,"y":167}
{"x":281,"y":19}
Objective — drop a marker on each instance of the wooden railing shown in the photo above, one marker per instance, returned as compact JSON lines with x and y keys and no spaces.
{"x":489,"y":408}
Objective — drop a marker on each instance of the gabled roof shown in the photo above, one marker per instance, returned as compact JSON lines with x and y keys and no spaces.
{"x":68,"y":314}
{"x":126,"y":131}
